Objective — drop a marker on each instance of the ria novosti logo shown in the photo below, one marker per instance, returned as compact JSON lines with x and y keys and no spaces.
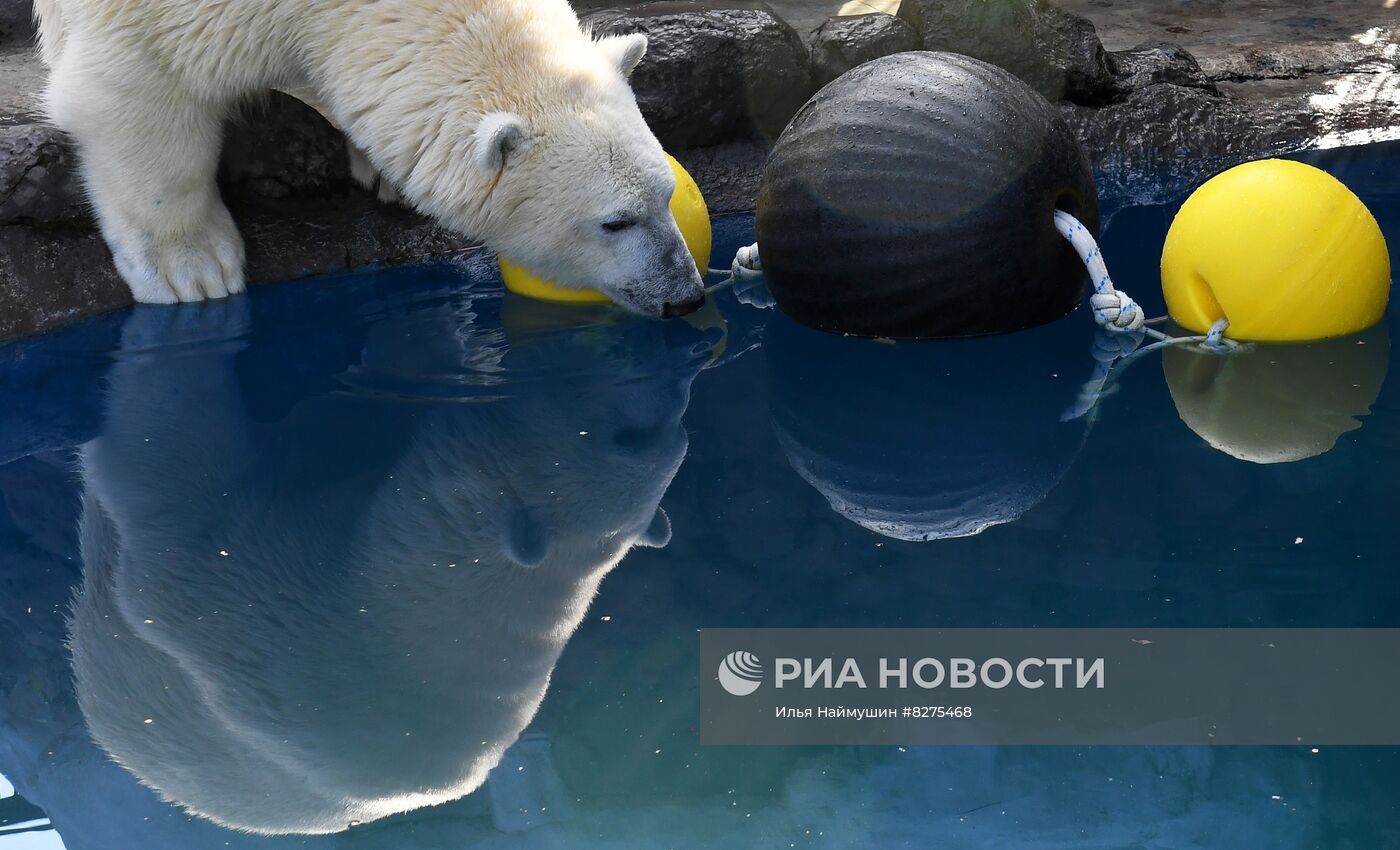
{"x":740,"y":673}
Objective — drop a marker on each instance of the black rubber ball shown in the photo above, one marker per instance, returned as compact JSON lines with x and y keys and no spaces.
{"x":913,"y":198}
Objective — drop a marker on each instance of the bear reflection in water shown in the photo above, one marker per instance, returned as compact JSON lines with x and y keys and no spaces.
{"x":353,"y":610}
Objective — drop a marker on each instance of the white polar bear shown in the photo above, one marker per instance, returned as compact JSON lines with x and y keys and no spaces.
{"x":354,"y":611}
{"x":502,"y":119}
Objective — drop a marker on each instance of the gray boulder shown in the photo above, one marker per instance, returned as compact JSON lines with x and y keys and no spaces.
{"x":728,"y":174}
{"x":1157,"y":63}
{"x":38,"y":176}
{"x":1057,"y":53}
{"x":845,"y":41}
{"x":16,"y":21}
{"x":1167,"y":122}
{"x":283,"y":148}
{"x":714,"y":71}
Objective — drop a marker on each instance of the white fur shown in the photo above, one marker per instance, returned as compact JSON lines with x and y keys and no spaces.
{"x":145,"y":85}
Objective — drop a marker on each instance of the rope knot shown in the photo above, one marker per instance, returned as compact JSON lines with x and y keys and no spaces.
{"x":746,"y":263}
{"x":1116,"y":311}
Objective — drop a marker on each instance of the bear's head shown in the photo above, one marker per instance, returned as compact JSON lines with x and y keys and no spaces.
{"x":578,"y":188}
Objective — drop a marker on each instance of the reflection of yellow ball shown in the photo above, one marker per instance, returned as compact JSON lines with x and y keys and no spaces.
{"x":1282,"y":250}
{"x":691,"y":214}
{"x":1279,"y":403}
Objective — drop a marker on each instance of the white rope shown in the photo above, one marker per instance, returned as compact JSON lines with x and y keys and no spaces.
{"x":1113,"y":310}
{"x":745,"y":274}
{"x":1123,"y":322}
{"x":1116,"y":311}
{"x":746,"y":266}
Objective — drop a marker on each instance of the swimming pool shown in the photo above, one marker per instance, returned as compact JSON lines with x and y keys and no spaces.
{"x":327,"y":540}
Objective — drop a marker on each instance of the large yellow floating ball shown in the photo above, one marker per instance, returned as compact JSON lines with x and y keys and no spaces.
{"x":691,"y":214}
{"x":1282,"y":250}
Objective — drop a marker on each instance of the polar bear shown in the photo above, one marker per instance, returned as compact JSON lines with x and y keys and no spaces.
{"x":502,"y":119}
{"x":354,"y":610}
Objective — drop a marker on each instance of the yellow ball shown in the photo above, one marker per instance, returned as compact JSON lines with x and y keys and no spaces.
{"x":1282,"y":250}
{"x":691,"y":214}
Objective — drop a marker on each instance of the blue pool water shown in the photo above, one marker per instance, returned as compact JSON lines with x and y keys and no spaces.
{"x":326,"y":543}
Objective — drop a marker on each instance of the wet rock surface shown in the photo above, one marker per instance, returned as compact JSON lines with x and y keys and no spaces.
{"x":843,"y":42}
{"x":281,"y":148}
{"x":1055,"y":52}
{"x":713,"y":71}
{"x":16,"y":21}
{"x":727,"y":174}
{"x":38,"y":177}
{"x":1162,"y":63}
{"x":1175,"y":120}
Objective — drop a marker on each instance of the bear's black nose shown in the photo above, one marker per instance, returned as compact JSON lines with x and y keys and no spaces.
{"x":670,"y":311}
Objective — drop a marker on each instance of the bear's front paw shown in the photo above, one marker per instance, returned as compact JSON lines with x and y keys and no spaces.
{"x":198,"y":260}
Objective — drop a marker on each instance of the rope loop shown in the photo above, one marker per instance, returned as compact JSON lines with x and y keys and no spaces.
{"x":1117,"y":311}
{"x":1215,"y":338}
{"x":746,"y":264}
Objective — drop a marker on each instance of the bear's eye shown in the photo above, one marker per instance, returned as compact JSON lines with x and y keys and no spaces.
{"x":617,"y":225}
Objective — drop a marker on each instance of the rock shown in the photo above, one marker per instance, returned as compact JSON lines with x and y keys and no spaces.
{"x":38,"y":177}
{"x":1162,"y":122}
{"x":49,"y":278}
{"x":1073,"y":45}
{"x":282,"y":147}
{"x":1372,"y":51}
{"x":727,"y":174}
{"x":285,"y":176}
{"x":845,"y":41}
{"x":299,"y":238}
{"x":16,"y":21}
{"x":1157,"y":63}
{"x":1161,"y":139}
{"x":1057,"y":53}
{"x":714,"y":71}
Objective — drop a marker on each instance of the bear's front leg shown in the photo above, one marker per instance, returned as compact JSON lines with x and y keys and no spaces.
{"x":150,"y":153}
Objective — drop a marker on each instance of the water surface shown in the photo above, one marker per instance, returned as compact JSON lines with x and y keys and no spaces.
{"x":396,"y":561}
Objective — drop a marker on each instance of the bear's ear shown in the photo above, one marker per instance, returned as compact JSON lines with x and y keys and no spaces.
{"x":658,"y":533}
{"x":625,"y":51}
{"x":498,"y":136}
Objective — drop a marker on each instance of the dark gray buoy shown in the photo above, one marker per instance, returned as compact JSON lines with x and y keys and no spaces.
{"x":912,"y":198}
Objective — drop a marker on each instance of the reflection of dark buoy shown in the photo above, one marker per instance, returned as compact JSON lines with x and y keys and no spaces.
{"x":1279,"y":403}
{"x":924,"y":442}
{"x":912,"y":197}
